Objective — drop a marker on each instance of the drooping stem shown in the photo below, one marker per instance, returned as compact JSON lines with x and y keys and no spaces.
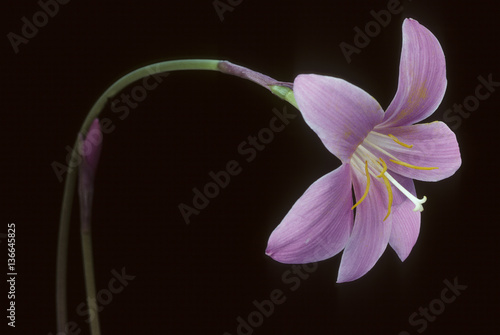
{"x":280,"y":89}
{"x":88,"y":266}
{"x":91,"y":146}
{"x":62,"y":251}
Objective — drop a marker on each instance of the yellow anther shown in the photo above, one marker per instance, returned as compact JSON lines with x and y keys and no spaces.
{"x":367,"y":186}
{"x":389,"y":192}
{"x":387,"y":185}
{"x":399,"y":142}
{"x":384,"y":170}
{"x":413,"y":166}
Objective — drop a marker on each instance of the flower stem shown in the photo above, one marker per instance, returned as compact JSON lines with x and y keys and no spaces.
{"x":280,"y":89}
{"x":88,"y":266}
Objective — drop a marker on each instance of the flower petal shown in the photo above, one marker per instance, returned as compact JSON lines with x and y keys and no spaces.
{"x":422,"y":77}
{"x":91,"y":147}
{"x":434,"y":145}
{"x":319,"y":223}
{"x":405,"y":222}
{"x":370,"y":233}
{"x":340,"y":113}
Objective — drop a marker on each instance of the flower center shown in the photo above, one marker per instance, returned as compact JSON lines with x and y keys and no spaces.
{"x":366,"y":162}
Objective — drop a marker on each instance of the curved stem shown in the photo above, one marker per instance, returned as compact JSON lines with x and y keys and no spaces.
{"x":281,"y":89}
{"x":88,"y":265}
{"x":62,"y":251}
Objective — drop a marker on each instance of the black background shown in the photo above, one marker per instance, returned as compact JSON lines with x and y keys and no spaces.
{"x":199,"y":278}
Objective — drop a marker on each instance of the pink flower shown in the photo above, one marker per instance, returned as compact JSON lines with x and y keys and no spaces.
{"x":90,"y":147}
{"x":381,"y":154}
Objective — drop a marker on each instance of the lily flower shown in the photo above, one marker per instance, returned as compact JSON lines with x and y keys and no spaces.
{"x":381,"y":153}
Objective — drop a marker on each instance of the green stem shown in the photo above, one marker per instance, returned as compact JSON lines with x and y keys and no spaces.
{"x":281,"y":89}
{"x":62,"y":251}
{"x":88,"y":266}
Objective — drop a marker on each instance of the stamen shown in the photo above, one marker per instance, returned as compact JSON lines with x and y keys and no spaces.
{"x":385,"y":168}
{"x":367,"y":186}
{"x":409,"y":146}
{"x":389,"y":191}
{"x":376,"y":147}
{"x":357,"y":162}
{"x":388,"y":186}
{"x":412,"y":166}
{"x":418,"y":202}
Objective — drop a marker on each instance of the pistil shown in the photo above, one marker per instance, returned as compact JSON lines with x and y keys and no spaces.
{"x":378,"y":168}
{"x":418,"y":202}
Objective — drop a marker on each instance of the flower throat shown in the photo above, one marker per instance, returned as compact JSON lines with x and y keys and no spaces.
{"x":365,"y":161}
